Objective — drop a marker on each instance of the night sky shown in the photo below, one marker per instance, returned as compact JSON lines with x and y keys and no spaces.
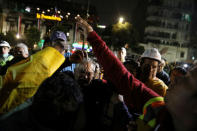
{"x":110,"y":10}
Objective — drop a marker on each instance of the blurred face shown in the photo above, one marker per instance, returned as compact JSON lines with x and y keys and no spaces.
{"x":4,"y":50}
{"x":161,"y":66}
{"x":84,"y":75}
{"x":20,"y":52}
{"x":181,"y":101}
{"x":149,"y":68}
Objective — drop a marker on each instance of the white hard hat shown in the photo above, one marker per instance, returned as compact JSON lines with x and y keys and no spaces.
{"x":4,"y":43}
{"x":152,"y":53}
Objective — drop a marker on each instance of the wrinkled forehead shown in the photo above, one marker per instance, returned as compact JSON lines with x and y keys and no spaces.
{"x":86,"y":67}
{"x":19,"y":48}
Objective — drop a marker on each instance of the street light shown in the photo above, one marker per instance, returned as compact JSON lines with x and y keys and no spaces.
{"x":121,"y":19}
{"x":17,"y":36}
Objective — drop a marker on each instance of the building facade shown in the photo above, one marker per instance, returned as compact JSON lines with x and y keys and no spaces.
{"x":45,"y":15}
{"x":168,"y":24}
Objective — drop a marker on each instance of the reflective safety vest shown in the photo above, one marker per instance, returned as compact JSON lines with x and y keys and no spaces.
{"x":4,"y":60}
{"x":23,"y":79}
{"x":147,"y":121}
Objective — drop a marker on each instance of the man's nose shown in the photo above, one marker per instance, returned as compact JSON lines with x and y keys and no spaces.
{"x":151,"y":68}
{"x":86,"y":76}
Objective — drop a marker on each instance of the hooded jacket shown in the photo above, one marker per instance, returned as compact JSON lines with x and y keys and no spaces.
{"x":22,"y":79}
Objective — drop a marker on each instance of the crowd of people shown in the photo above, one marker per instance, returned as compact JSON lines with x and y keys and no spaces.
{"x":106,"y":94}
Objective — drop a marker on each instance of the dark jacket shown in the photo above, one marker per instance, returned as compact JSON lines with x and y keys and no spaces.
{"x":3,"y":69}
{"x":164,"y":77}
{"x":26,"y":120}
{"x":97,"y":100}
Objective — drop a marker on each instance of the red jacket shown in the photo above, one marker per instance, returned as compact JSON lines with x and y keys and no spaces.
{"x":136,"y":94}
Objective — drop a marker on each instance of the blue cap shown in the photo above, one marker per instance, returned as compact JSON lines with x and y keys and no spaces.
{"x":58,"y":35}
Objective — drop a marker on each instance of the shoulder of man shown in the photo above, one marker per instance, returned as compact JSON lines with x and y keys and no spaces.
{"x":159,"y":83}
{"x":165,"y":73}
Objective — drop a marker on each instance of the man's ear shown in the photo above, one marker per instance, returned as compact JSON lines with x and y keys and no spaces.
{"x":62,"y":51}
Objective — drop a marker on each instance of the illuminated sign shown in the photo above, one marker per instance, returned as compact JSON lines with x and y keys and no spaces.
{"x":42,"y":16}
{"x":79,"y":45}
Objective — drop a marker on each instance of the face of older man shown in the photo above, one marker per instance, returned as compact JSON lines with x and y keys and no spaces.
{"x":161,"y":65}
{"x":20,"y":52}
{"x":84,"y":74}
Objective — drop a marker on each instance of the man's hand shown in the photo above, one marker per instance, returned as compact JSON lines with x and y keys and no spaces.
{"x":78,"y":56}
{"x":84,"y":24}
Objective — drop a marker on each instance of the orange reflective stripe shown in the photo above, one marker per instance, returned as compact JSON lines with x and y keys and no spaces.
{"x":154,"y":102}
{"x":158,"y":103}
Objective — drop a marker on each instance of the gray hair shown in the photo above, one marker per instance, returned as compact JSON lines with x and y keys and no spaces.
{"x":24,"y":46}
{"x":83,"y":65}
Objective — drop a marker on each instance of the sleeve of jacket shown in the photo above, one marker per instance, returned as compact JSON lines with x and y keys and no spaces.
{"x":135,"y":93}
{"x":22,"y":80}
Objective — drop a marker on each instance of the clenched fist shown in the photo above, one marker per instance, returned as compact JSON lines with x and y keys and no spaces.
{"x":78,"y":56}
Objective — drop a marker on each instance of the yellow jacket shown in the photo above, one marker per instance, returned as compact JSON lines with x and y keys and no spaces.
{"x":158,"y":86}
{"x":22,"y":80}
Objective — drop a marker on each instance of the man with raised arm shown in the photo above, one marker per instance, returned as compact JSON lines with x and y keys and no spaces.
{"x":157,"y":115}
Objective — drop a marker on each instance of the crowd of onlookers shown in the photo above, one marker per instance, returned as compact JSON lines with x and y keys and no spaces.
{"x":104,"y":93}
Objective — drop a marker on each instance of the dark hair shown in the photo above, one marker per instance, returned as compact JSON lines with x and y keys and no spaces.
{"x":69,"y":73}
{"x":57,"y":102}
{"x":179,"y":69}
{"x":131,"y":62}
{"x":60,"y":90}
{"x":47,"y":40}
